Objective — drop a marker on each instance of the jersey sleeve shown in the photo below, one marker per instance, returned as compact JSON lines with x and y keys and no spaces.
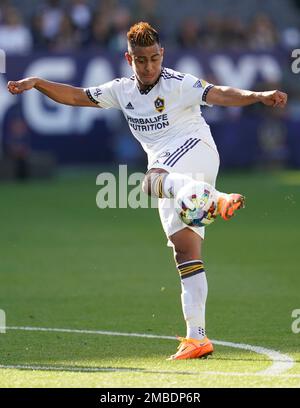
{"x":105,"y":95}
{"x":195,"y":90}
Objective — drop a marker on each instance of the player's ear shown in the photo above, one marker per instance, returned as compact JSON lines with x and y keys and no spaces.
{"x":128,"y":58}
{"x":162,"y":50}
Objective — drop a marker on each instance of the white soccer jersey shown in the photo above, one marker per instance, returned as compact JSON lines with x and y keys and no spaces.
{"x":166,"y":112}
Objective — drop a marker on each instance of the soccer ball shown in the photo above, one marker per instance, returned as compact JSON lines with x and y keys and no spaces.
{"x":196,"y":204}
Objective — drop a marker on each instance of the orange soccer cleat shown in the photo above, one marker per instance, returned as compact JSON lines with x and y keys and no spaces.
{"x":229,"y":203}
{"x":192,"y":348}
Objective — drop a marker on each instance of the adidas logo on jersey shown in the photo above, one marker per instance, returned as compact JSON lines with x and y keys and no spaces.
{"x":129,"y":106}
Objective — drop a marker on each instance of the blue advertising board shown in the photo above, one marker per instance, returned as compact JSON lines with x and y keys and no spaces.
{"x":83,"y":135}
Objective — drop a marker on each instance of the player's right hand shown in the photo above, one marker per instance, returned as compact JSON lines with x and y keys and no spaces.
{"x":17,"y":87}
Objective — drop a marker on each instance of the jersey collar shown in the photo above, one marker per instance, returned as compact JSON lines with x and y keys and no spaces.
{"x":148,"y":89}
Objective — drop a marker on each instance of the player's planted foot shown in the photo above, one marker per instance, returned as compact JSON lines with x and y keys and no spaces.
{"x":229,"y":203}
{"x":192,"y":348}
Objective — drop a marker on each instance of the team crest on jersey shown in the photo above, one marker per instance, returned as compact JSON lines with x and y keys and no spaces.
{"x":159,"y":104}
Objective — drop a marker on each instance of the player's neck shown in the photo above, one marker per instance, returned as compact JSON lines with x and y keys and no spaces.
{"x":142,"y":86}
{"x":146,"y":88}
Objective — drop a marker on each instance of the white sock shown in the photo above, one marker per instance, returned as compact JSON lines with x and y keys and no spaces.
{"x":173,"y":182}
{"x":193,"y":299}
{"x":167,"y":185}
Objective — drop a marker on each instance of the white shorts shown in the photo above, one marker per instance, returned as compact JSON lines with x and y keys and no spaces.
{"x":194,"y":158}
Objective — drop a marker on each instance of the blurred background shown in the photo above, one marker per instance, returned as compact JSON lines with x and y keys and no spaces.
{"x":246,"y":44}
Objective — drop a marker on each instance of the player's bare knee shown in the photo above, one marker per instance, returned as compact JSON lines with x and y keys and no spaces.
{"x":146,"y":185}
{"x":182,"y":255}
{"x":185,"y":251}
{"x":187,"y":245}
{"x":150,"y":179}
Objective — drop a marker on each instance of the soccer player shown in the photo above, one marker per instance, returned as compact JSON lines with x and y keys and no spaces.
{"x":162,"y":108}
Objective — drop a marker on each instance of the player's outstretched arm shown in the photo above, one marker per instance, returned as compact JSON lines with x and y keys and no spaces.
{"x":61,"y":93}
{"x":227,"y":96}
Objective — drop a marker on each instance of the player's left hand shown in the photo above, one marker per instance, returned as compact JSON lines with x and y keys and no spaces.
{"x":273,"y":98}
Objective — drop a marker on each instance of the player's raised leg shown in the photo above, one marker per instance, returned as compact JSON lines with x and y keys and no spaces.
{"x":162,"y":184}
{"x":159,"y":183}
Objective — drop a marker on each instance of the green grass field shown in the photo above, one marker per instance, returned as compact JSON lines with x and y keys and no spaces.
{"x":67,"y":264}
